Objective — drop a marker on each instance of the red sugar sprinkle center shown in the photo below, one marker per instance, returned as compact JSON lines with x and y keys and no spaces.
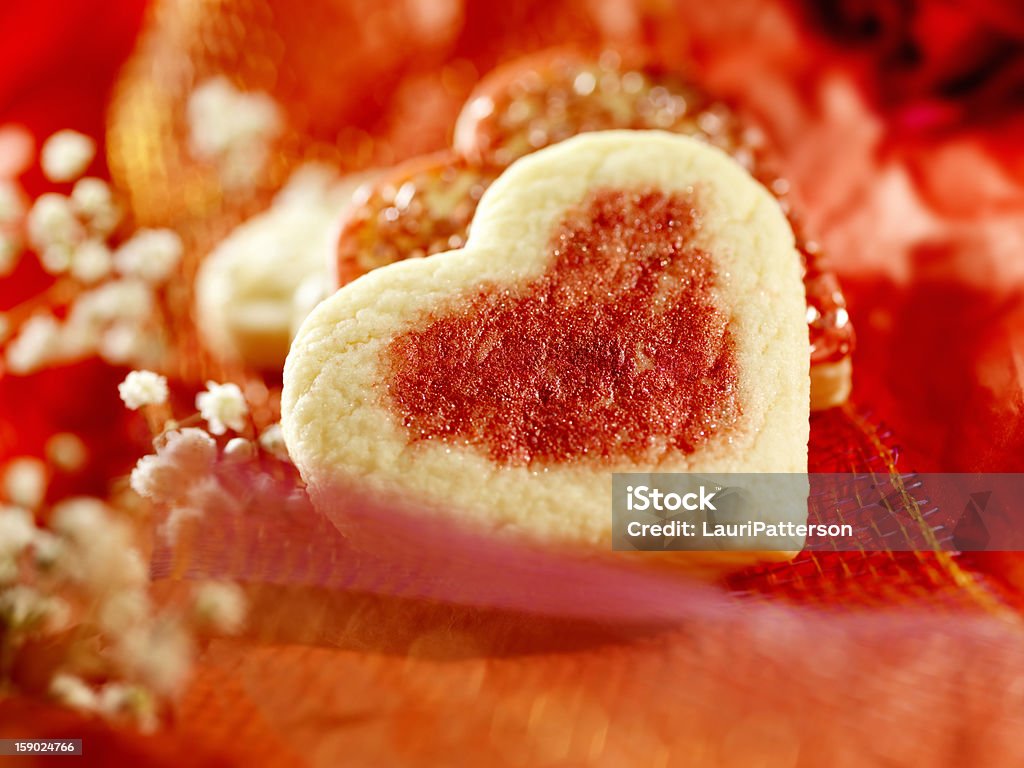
{"x":617,"y":350}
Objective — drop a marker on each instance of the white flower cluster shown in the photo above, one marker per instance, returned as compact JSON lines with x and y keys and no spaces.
{"x":223,"y":406}
{"x":38,"y":343}
{"x":219,"y":607}
{"x":66,"y":155}
{"x":189,"y":475}
{"x":233,"y":129}
{"x":115,"y":319}
{"x":70,"y":234}
{"x":24,"y":481}
{"x":143,"y":388}
{"x":272,"y":441}
{"x":66,"y":451}
{"x":113,"y":304}
{"x":150,"y":255}
{"x":114,"y":701}
{"x":86,"y":569}
{"x":182,"y":477}
{"x":183,"y":458}
{"x":24,"y":610}
{"x":86,"y":566}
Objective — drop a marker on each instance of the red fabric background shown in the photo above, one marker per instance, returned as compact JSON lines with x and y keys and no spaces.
{"x":940,"y":315}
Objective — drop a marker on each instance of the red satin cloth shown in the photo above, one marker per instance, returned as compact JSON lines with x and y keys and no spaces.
{"x":920,"y":203}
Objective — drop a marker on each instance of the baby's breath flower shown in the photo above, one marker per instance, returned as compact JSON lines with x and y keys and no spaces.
{"x":223,"y":406}
{"x":56,"y":258}
{"x":118,"y":700}
{"x":192,"y":449}
{"x":93,"y":201}
{"x":52,"y":222}
{"x":233,"y":129}
{"x":113,"y":699}
{"x":73,"y":692}
{"x":126,"y":299}
{"x":91,"y":550}
{"x":123,"y":343}
{"x":221,"y":118}
{"x":123,"y":610}
{"x":90,"y":261}
{"x":37,"y":344}
{"x":66,"y":155}
{"x":17,"y":532}
{"x":272,"y":441}
{"x":46,"y":549}
{"x":25,"y":482}
{"x":99,"y":551}
{"x":239,"y":449}
{"x":151,"y":254}
{"x":143,"y":388}
{"x":209,"y":493}
{"x":219,"y":607}
{"x":183,"y":459}
{"x":80,"y":519}
{"x":80,"y":335}
{"x":109,"y":319}
{"x":18,"y":605}
{"x":66,"y":451}
{"x":131,"y":299}
{"x":153,"y":479}
{"x":159,"y":655}
{"x":24,"y":608}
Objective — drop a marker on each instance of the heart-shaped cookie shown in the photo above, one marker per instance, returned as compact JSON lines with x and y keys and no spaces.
{"x":627,"y":301}
{"x":247,"y":288}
